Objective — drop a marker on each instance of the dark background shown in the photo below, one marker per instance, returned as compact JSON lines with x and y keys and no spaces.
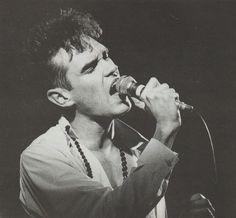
{"x":191,"y":45}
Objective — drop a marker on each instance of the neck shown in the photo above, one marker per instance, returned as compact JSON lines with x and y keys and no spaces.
{"x":91,"y":133}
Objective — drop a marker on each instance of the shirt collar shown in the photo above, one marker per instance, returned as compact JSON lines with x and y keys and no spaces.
{"x":122,"y":135}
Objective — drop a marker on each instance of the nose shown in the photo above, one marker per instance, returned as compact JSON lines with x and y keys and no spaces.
{"x":112,"y":70}
{"x":116,"y":72}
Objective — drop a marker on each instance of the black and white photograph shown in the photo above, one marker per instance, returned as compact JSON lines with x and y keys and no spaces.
{"x":117,"y":109}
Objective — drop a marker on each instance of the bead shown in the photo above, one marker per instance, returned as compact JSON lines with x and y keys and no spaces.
{"x":123,"y":159}
{"x":67,"y":128}
{"x":79,"y":149}
{"x":125,"y":168}
{"x":124,"y":164}
{"x":85,"y":161}
{"x":87,"y":164}
{"x":125,"y":173}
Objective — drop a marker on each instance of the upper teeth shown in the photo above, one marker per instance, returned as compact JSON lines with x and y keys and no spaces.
{"x":114,"y":83}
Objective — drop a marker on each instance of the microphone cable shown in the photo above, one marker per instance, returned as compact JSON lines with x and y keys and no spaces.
{"x":211,"y":143}
{"x":127,"y":85}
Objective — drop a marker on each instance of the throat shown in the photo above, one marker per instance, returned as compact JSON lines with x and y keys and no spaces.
{"x":94,"y":135}
{"x":111,"y":165}
{"x":90,"y":133}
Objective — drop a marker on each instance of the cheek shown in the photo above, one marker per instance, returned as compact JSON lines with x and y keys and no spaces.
{"x":88,"y":97}
{"x":85,"y":94}
{"x":83,"y":87}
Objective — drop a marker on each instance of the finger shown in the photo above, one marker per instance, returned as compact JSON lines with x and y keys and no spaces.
{"x":164,"y":86}
{"x":139,"y":104}
{"x":171,"y":91}
{"x":152,"y":83}
{"x":176,"y":96}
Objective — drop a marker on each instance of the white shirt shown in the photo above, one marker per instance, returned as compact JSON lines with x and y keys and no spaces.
{"x":54,"y":181}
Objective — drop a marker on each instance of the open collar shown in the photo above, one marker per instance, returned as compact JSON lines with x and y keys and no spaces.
{"x":121,"y":134}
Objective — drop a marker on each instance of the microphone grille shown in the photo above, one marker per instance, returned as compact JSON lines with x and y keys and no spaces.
{"x":124,"y":83}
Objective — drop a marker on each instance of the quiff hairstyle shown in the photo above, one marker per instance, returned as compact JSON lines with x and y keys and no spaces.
{"x":66,"y":30}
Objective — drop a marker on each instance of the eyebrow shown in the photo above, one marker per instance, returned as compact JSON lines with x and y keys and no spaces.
{"x":93,"y":62}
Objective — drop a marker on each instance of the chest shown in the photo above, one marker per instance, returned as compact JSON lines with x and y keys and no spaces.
{"x":114,"y":166}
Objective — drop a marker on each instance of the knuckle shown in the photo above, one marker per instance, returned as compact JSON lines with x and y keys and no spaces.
{"x":172,"y":90}
{"x":153,"y":82}
{"x":153,"y":78}
{"x":165,"y":85}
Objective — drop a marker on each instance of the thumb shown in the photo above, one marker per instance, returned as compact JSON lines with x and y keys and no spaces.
{"x":139,"y":104}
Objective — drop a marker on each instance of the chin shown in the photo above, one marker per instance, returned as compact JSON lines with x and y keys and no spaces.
{"x":122,"y":109}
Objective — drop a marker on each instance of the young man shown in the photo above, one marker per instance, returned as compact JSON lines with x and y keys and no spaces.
{"x":89,"y":164}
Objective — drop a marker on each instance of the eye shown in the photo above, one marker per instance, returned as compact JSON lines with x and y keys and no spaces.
{"x":89,"y":70}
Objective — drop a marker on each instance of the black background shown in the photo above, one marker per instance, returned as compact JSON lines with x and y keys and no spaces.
{"x":191,"y":45}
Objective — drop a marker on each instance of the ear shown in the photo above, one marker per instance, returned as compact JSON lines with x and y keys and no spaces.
{"x":60,"y":97}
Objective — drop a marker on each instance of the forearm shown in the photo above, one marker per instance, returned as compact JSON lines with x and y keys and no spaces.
{"x":141,"y":191}
{"x":165,"y":135}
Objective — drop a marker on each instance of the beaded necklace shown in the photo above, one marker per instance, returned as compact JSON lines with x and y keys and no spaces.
{"x":87,"y":164}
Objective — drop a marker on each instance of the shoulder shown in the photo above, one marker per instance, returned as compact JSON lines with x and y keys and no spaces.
{"x":51,"y":143}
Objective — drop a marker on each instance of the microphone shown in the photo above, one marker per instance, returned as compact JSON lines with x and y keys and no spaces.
{"x":127,"y":85}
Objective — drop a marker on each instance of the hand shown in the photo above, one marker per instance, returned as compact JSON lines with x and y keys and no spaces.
{"x":198,"y":207}
{"x":159,"y":100}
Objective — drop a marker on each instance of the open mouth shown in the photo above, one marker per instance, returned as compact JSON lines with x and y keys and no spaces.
{"x":113,"y":88}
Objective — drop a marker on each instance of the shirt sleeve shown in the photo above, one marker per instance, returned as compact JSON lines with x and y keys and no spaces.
{"x":52,"y":187}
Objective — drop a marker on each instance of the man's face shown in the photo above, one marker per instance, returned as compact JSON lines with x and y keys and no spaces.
{"x":91,"y":74}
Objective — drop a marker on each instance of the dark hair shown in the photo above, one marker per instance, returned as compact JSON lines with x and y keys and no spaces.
{"x":66,"y":31}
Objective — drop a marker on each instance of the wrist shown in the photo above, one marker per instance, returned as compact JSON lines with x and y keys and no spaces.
{"x":166,"y":134}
